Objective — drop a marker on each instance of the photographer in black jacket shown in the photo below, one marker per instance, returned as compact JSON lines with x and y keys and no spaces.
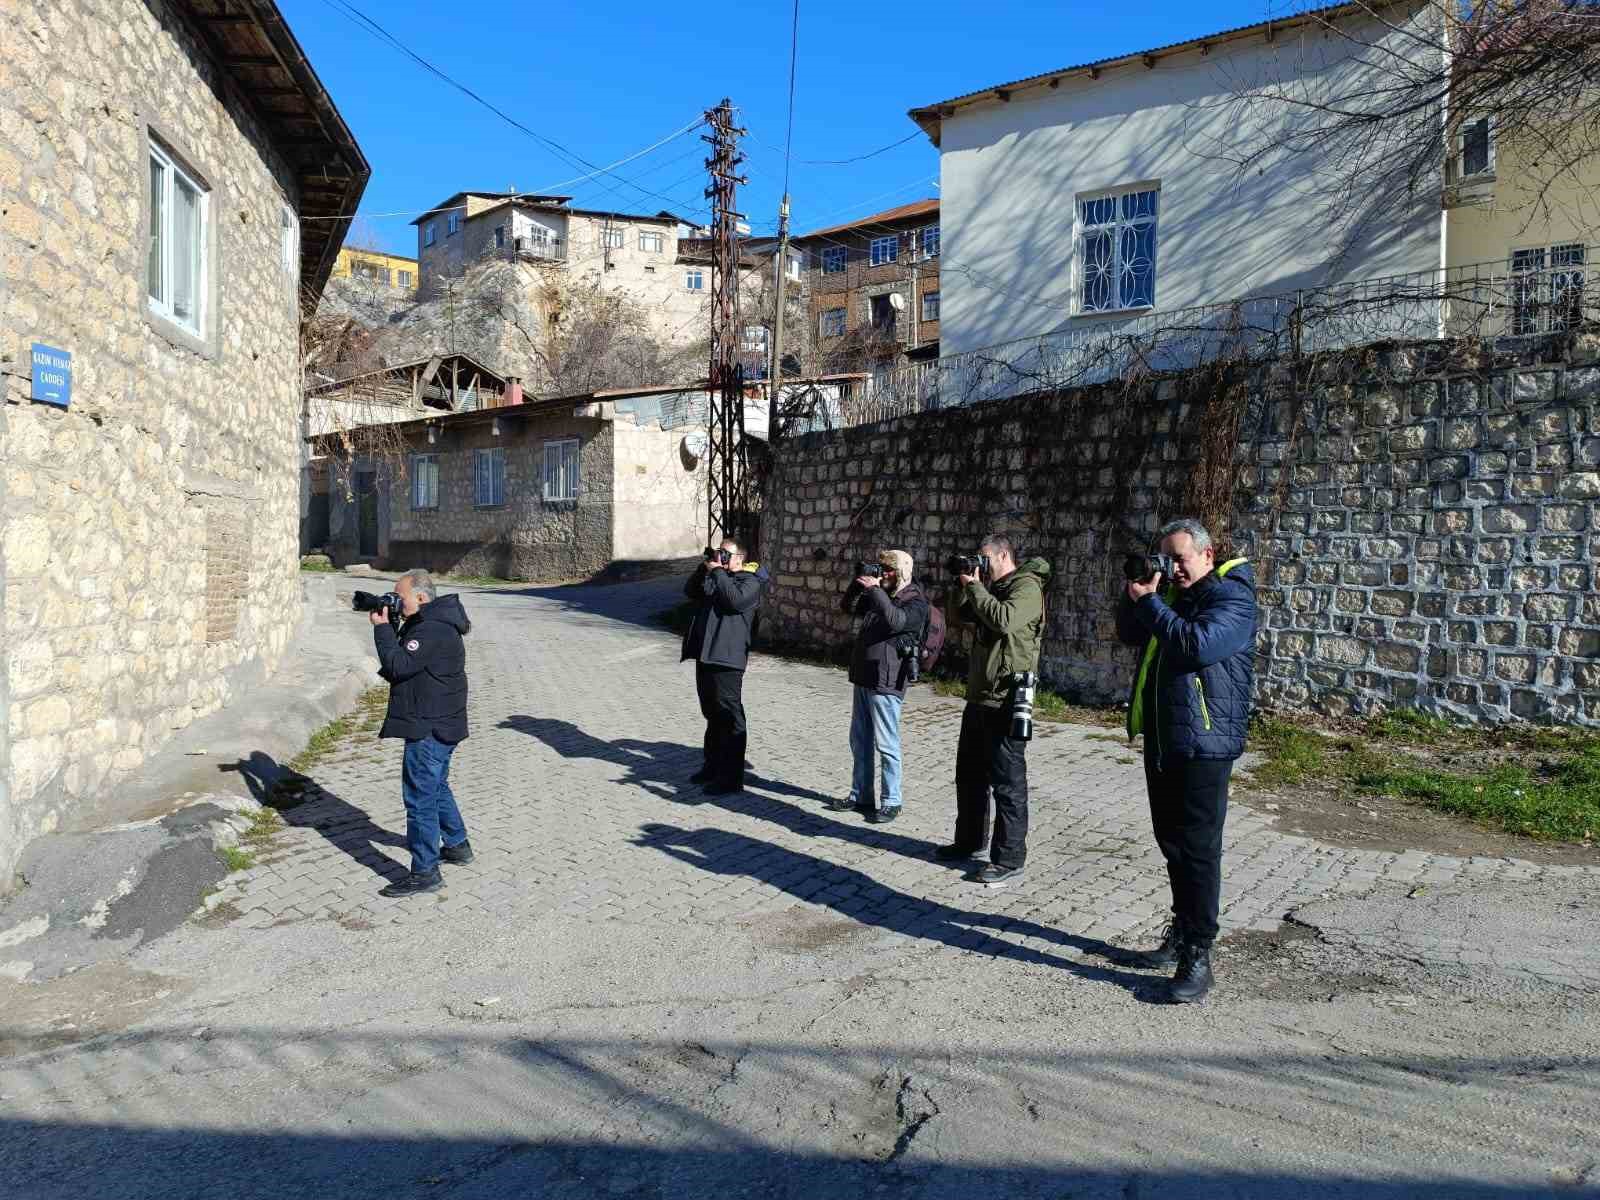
{"x":894,"y":616}
{"x":727,"y":592}
{"x":425,"y":663}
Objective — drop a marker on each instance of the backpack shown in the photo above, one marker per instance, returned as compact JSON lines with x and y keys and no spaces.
{"x":932,"y":640}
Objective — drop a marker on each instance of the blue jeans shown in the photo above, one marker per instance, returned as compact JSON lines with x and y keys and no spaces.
{"x":431,"y":811}
{"x":875,"y":742}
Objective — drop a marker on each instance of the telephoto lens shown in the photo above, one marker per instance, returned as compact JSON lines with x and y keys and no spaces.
{"x":865,"y":568}
{"x":1023,"y":686}
{"x":1141,"y":568}
{"x":967,"y":564}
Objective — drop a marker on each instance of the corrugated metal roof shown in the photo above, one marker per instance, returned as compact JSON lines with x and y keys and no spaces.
{"x":917,"y":208}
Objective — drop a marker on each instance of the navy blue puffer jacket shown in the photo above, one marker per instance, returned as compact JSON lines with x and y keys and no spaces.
{"x":1191,"y":697}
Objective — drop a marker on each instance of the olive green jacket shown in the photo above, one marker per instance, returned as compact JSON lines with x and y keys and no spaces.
{"x":1009,"y":615}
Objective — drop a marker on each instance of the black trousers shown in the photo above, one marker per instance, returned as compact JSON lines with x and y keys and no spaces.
{"x":1188,"y":803}
{"x":989,"y":760}
{"x":721,"y":691}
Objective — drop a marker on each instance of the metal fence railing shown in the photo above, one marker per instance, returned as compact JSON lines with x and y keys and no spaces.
{"x":1526,"y":298}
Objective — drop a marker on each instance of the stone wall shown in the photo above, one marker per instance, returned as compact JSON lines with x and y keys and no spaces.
{"x":118,"y":628}
{"x":1424,"y":521}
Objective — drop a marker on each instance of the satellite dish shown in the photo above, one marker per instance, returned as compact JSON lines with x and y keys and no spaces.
{"x":695,"y":444}
{"x":897,"y":302}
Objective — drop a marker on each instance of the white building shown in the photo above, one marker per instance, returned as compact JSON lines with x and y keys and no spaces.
{"x":1100,"y":192}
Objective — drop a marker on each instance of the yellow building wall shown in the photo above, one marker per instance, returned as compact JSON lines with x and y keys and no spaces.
{"x":1490,"y":220}
{"x":348,"y":256}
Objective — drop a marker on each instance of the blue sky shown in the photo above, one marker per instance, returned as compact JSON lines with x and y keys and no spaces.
{"x":607,"y":80}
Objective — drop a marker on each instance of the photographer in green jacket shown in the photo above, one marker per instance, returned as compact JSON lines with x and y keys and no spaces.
{"x":1008,"y":613}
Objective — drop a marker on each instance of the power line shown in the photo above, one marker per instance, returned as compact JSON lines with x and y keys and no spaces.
{"x":840,"y":162}
{"x":794,"y":50}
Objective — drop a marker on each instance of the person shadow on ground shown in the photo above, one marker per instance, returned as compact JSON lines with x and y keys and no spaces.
{"x":858,"y":896}
{"x":663,"y":769}
{"x":305,"y":804}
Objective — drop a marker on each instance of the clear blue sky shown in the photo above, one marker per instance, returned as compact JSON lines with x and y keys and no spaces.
{"x":607,"y":79}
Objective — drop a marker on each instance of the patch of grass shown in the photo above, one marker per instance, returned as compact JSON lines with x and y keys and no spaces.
{"x":1456,"y":769}
{"x":319,"y":568}
{"x":367,"y":716}
{"x":238,"y":859}
{"x":263,"y":827}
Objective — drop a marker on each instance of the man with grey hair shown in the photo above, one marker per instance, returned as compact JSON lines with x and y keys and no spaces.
{"x":1191,"y":701}
{"x":425,"y":664}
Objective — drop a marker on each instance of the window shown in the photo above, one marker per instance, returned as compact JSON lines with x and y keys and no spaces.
{"x":881,"y":311}
{"x":1117,"y":251}
{"x":289,"y":241}
{"x":833,"y":322}
{"x":651,"y":242}
{"x":424,"y":481}
{"x":794,"y":266}
{"x":429,"y":232}
{"x":753,"y":337}
{"x":452,"y":224}
{"x":695,"y":280}
{"x":1476,"y":149}
{"x":833,"y":260}
{"x":561,"y":470}
{"x":611,"y":239}
{"x":649,"y":270}
{"x":1547,"y":287}
{"x":489,"y":477}
{"x":176,"y":266}
{"x":930,"y":306}
{"x":406,"y":279}
{"x":930,"y":241}
{"x":385,"y":276}
{"x":499,"y":237}
{"x":885,"y":249}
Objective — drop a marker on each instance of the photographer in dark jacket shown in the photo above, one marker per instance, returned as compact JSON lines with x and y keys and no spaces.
{"x":1191,"y":700}
{"x":895,"y":620}
{"x":727,"y":592}
{"x":425,"y":664}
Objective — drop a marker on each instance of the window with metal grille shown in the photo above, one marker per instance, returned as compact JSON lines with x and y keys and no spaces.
{"x":1547,"y":288}
{"x":1117,"y":250}
{"x":561,"y":470}
{"x":489,"y":477}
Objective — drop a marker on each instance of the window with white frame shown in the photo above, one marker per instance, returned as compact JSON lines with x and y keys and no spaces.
{"x":930,"y":241}
{"x":930,"y":306}
{"x":561,"y":470}
{"x":651,"y":242}
{"x":176,"y":265}
{"x":753,"y":337}
{"x":1547,"y":288}
{"x":289,"y":242}
{"x":885,"y":249}
{"x":794,"y":266}
{"x":694,"y":280}
{"x":424,"y":481}
{"x":489,"y":477}
{"x":429,"y":234}
{"x":452,"y":224}
{"x":833,"y":259}
{"x":611,"y":239}
{"x":406,"y":279}
{"x":833,"y":322}
{"x":1116,"y":250}
{"x":1475,"y":149}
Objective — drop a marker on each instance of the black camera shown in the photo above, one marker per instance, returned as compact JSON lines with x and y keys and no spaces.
{"x":716,"y":555}
{"x":366,"y":602}
{"x":910,"y":651}
{"x":865,"y":568}
{"x":967,"y":564}
{"x":1142,"y":568}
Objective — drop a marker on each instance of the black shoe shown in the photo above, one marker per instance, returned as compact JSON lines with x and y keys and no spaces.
{"x":842,"y":806}
{"x":460,"y":853}
{"x":1165,"y":956}
{"x":882,"y":816}
{"x":414,"y":884}
{"x":994,"y":875}
{"x":722,"y":789}
{"x":1193,"y":979}
{"x":700,"y":776}
{"x":953,"y":853}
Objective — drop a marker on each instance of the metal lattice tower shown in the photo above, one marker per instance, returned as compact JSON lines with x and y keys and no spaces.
{"x":727,"y":459}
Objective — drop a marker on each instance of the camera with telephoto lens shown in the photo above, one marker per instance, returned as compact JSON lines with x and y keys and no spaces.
{"x":717,"y":555}
{"x":1023,"y":685}
{"x":967,"y":564}
{"x":909,"y":647}
{"x":1142,"y":568}
{"x":366,"y":602}
{"x":865,"y":568}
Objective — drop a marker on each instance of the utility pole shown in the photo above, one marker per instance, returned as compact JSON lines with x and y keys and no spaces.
{"x":780,"y":294}
{"x":727,"y":460}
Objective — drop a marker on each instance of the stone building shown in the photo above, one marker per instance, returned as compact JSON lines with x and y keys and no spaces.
{"x":553,"y":489}
{"x":172,"y":179}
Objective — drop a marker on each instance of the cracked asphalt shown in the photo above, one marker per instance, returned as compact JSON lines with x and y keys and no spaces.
{"x":635,"y":991}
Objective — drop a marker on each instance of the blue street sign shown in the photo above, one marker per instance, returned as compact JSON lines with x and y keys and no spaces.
{"x":52,"y":375}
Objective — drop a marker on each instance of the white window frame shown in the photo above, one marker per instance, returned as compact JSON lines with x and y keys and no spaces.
{"x":289,"y":242}
{"x":1540,"y":287}
{"x":565,"y":450}
{"x":407,"y":278}
{"x":1459,"y":159}
{"x":424,"y":483}
{"x":161,"y":305}
{"x":928,"y":297}
{"x":929,"y":236}
{"x":753,"y":338}
{"x":694,"y":279}
{"x":430,"y":233}
{"x":884,"y":250}
{"x":652,"y":241}
{"x":1118,"y":302}
{"x":834,"y":259}
{"x":612,"y":239}
{"x":452,"y":224}
{"x":495,"y":458}
{"x":826,"y":329}
{"x":795,"y":267}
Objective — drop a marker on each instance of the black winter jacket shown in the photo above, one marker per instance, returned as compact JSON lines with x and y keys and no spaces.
{"x":725,"y":621}
{"x":426,"y":666}
{"x":875,"y":662}
{"x":1195,"y":698}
